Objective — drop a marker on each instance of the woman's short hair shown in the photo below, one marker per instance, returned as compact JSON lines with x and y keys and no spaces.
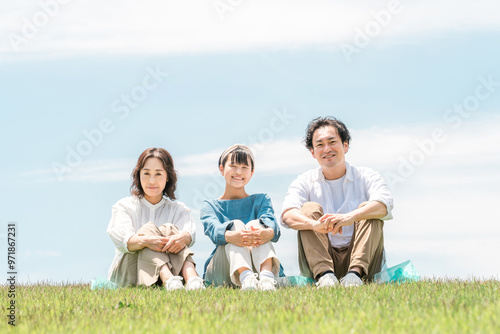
{"x":168,"y":164}
{"x":240,"y":154}
{"x":320,"y":122}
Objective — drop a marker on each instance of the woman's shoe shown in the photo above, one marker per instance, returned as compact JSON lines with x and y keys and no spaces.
{"x":174,"y":283}
{"x":195,"y":283}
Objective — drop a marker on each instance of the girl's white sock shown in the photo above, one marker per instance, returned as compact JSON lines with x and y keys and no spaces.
{"x":245,"y":274}
{"x":266,"y":273}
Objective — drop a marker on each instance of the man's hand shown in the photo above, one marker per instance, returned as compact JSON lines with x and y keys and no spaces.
{"x":176,"y":242}
{"x":333,"y":222}
{"x":318,"y":226}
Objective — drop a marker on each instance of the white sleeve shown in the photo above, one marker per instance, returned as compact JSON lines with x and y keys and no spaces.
{"x":296,"y":196}
{"x":120,"y":227}
{"x":184,"y":221}
{"x":378,"y":191}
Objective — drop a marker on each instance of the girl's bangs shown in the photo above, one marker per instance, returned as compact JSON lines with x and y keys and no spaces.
{"x":240,"y":157}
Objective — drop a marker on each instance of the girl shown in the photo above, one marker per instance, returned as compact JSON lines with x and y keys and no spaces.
{"x":242,"y":227}
{"x":152,"y":233}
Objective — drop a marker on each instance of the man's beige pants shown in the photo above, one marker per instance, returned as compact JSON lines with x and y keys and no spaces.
{"x":227,"y":259}
{"x":316,"y":255}
{"x":143,"y":266}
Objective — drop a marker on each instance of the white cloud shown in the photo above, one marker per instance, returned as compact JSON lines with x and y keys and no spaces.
{"x":445,"y":232}
{"x":451,"y":162}
{"x":40,"y":254}
{"x":87,"y":171}
{"x":155,"y":26}
{"x":198,"y":164}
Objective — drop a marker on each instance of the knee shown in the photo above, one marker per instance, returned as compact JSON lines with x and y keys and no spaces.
{"x":311,"y":209}
{"x":169,"y":225}
{"x":147,"y":229}
{"x":372,"y":223}
{"x":168,"y":229}
{"x":255,"y":223}
{"x":305,"y":234}
{"x":238,"y":225}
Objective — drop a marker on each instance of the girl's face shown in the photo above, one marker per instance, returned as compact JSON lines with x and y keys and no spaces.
{"x":236,"y":175}
{"x":153,"y":180}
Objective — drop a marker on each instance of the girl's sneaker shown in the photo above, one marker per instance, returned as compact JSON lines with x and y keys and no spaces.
{"x":174,"y":283}
{"x":195,"y":283}
{"x":267,"y":284}
{"x":250,"y":283}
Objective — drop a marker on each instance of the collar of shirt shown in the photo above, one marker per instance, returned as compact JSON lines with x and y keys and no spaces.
{"x":153,"y":206}
{"x":348,"y":175}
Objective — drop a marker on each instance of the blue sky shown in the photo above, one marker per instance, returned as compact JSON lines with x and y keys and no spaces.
{"x":256,"y":77}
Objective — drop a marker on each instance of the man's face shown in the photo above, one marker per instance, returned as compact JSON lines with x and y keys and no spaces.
{"x":328,"y":148}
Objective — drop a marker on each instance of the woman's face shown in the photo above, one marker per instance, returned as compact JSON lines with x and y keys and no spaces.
{"x":153,"y":180}
{"x":236,"y":175}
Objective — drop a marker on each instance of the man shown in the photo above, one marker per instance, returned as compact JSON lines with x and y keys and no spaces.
{"x":338,"y":210}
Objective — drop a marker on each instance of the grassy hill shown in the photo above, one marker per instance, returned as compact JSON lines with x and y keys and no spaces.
{"x":422,"y":307}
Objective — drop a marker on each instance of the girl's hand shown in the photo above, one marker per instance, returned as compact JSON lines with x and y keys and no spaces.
{"x":237,"y":238}
{"x":260,"y":236}
{"x":176,"y":242}
{"x":250,"y":238}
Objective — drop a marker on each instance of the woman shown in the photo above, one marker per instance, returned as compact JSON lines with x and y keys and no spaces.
{"x":242,"y":227}
{"x":151,"y":231}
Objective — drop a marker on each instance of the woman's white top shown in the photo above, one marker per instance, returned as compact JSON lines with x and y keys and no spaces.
{"x":131,"y":213}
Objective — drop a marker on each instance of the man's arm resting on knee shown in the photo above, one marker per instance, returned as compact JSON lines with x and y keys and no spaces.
{"x":366,"y":210}
{"x":295,"y":219}
{"x":369,"y":210}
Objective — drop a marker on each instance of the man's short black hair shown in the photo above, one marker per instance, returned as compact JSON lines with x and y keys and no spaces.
{"x":320,"y":122}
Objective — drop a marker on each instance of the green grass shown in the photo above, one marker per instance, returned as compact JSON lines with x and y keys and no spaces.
{"x":423,"y":307}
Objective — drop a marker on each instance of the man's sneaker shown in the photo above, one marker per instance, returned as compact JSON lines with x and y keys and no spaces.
{"x":327,"y":281}
{"x":174,"y":283}
{"x":250,"y":282}
{"x":350,"y":280}
{"x":267,"y":284}
{"x":195,"y":283}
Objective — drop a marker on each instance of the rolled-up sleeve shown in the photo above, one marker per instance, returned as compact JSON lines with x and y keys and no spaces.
{"x":120,"y":227}
{"x":379,"y":191}
{"x":214,"y":228}
{"x":295,"y":197}
{"x":266,"y":213}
